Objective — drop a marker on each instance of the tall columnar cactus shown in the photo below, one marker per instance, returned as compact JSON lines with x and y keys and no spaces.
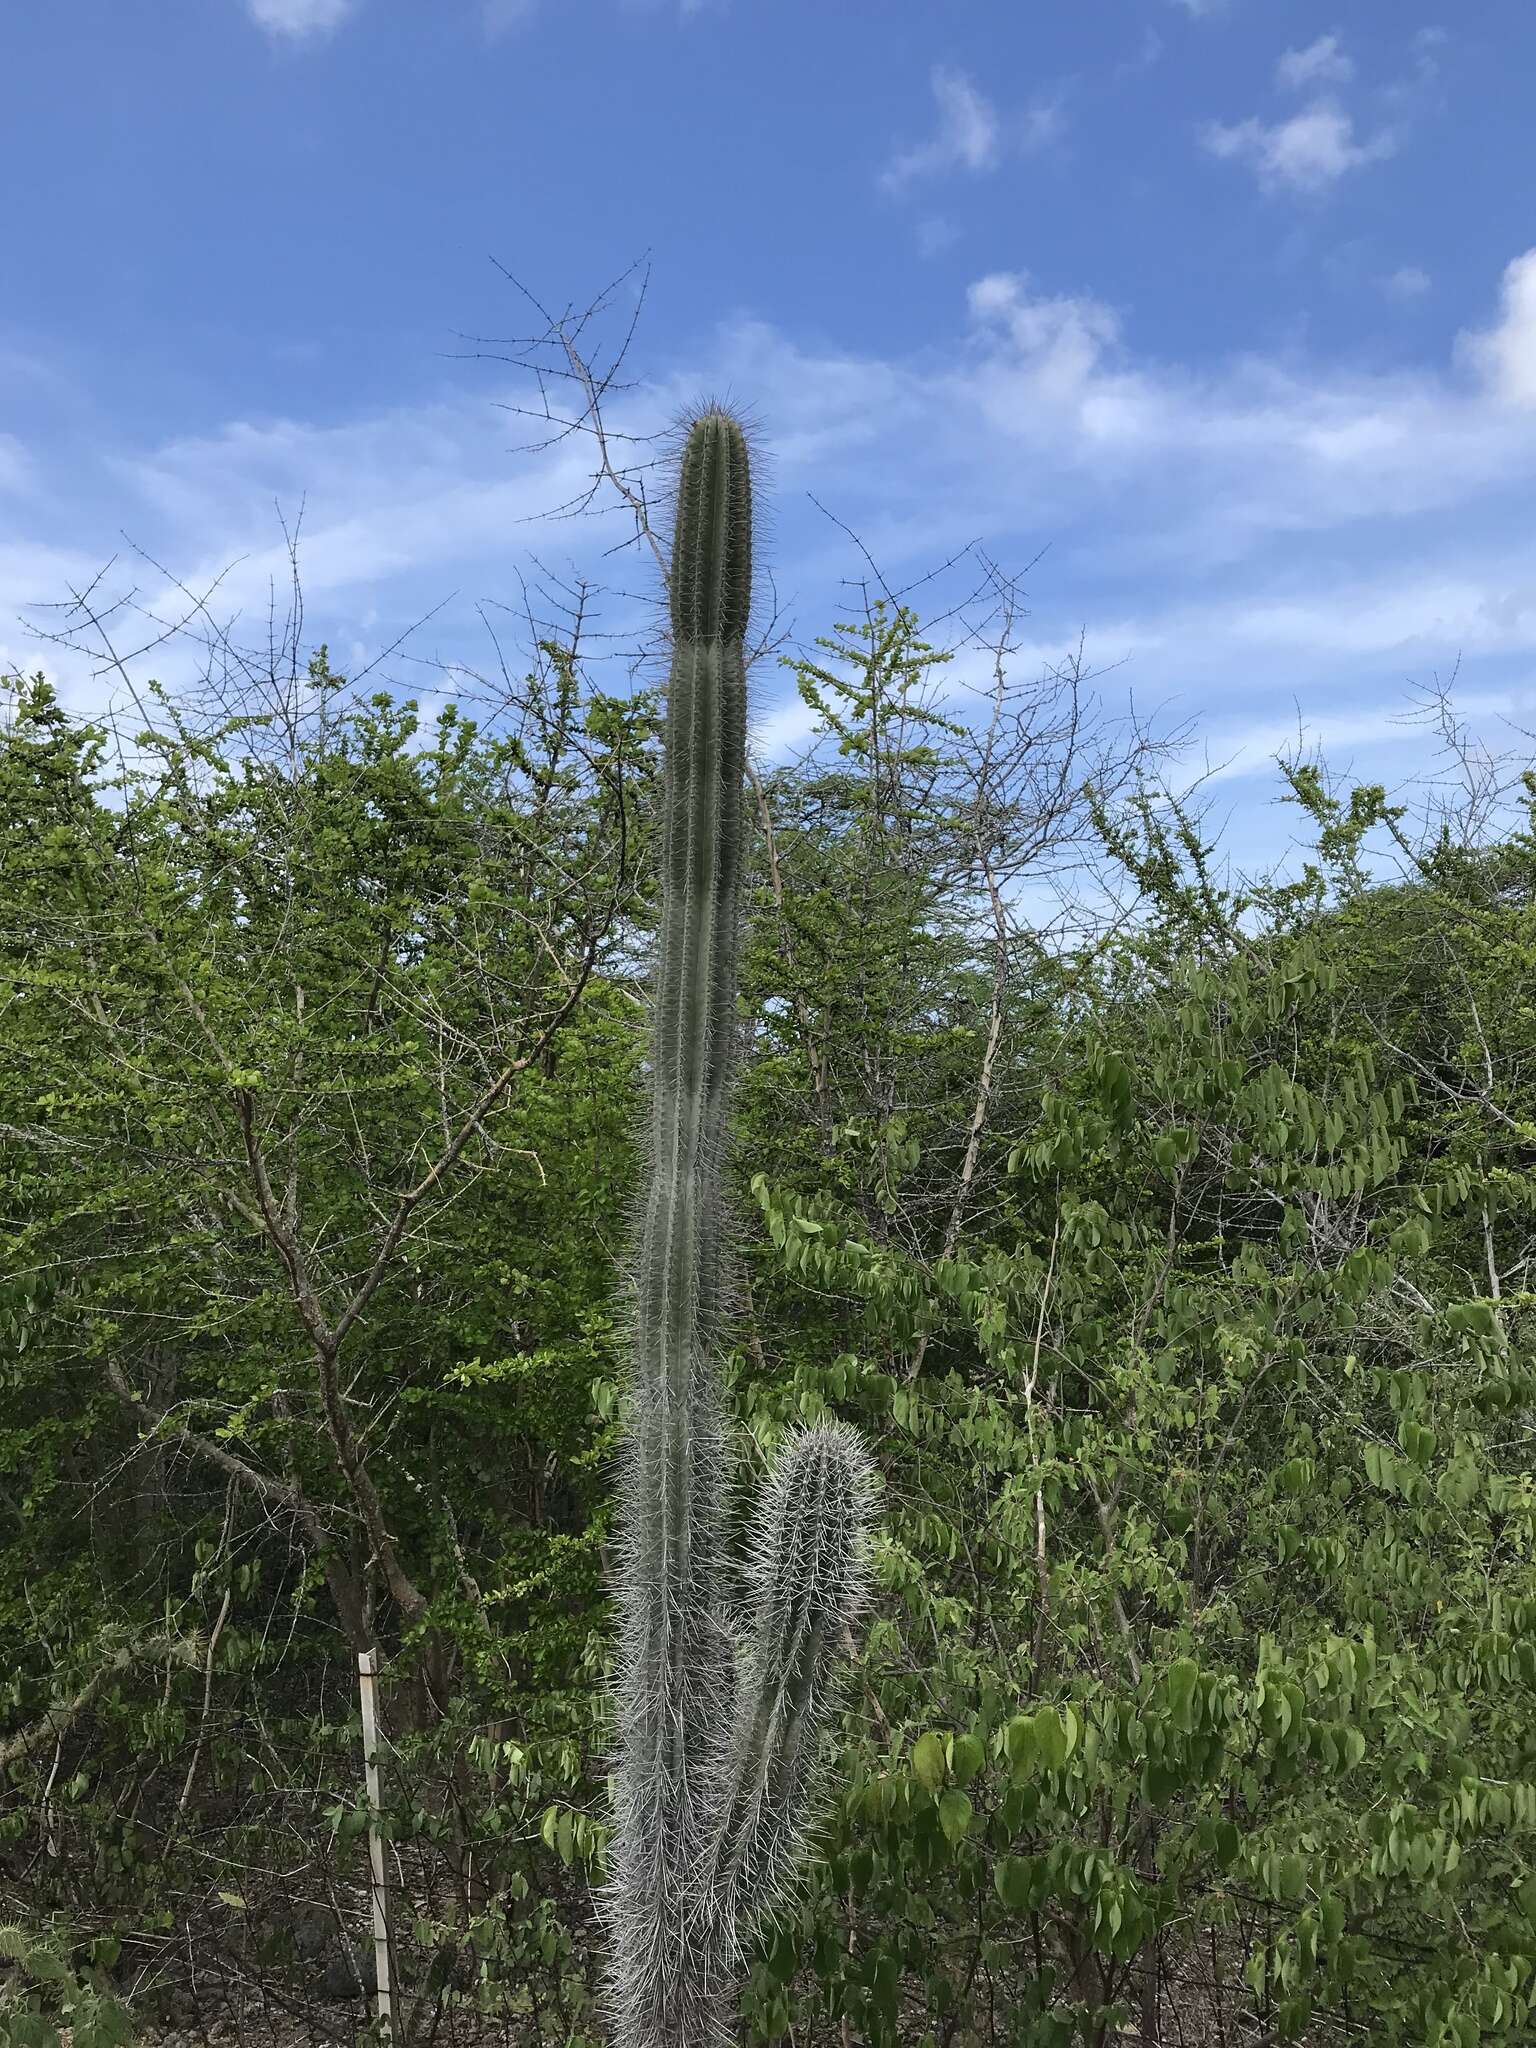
{"x":722,"y":1688}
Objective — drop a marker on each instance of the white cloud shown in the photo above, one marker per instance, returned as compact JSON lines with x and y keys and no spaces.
{"x":968,"y":135}
{"x":1408,"y":282}
{"x":971,"y":135}
{"x":1269,"y":446}
{"x":1394,"y":614}
{"x":1310,"y":152}
{"x":1215,"y":463}
{"x":1059,"y":342}
{"x":1505,"y":354}
{"x":395,"y":493}
{"x":1242,"y":532}
{"x":298,"y":19}
{"x":1050,"y":428}
{"x":1320,"y":63}
{"x":500,"y":17}
{"x":777,"y":734}
{"x":1250,"y":750}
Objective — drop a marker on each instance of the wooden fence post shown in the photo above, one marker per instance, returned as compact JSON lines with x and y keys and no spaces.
{"x":367,"y":1685}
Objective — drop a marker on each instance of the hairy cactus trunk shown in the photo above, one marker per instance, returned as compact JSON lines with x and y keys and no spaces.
{"x":720,"y":1714}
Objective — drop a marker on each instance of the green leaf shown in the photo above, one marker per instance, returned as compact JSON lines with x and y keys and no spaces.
{"x":966,"y":1758}
{"x":1050,"y":1738}
{"x":1159,"y":1781}
{"x":928,"y":1765}
{"x":1182,"y":1680}
{"x":1019,"y":1741}
{"x":955,"y":1812}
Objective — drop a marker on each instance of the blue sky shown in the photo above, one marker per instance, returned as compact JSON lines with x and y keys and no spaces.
{"x":1229,"y":306}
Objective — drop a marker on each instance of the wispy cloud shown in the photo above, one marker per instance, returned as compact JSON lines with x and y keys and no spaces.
{"x":1062,"y":339}
{"x":1244,"y":450}
{"x":1246,"y":750}
{"x":1407,"y":282}
{"x":1300,"y":526}
{"x":1325,"y":446}
{"x":1319,"y":64}
{"x":968,"y":136}
{"x":1309,"y":152}
{"x":298,"y":20}
{"x":971,"y":135}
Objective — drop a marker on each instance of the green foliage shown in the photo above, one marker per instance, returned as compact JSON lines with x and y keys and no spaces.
{"x":1179,"y":1271}
{"x":48,"y":1992}
{"x":298,"y":951}
{"x":1209,"y":1576}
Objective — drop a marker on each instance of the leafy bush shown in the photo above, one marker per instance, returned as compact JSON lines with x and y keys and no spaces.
{"x":1177,"y":1265}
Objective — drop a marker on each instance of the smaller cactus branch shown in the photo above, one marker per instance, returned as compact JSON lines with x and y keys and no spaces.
{"x":810,"y":1540}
